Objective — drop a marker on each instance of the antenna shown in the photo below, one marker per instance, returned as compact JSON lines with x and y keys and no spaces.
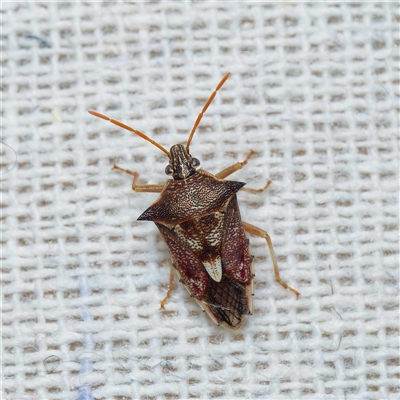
{"x":200,"y":116}
{"x":128,"y":128}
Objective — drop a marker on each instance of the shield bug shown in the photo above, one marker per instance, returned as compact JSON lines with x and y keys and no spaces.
{"x":198,"y":216}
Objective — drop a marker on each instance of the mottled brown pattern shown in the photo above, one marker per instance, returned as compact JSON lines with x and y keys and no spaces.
{"x":210,"y":249}
{"x":204,"y":237}
{"x":227,"y":301}
{"x":190,"y":268}
{"x":198,"y":195}
{"x":198,"y":216}
{"x":237,"y":258}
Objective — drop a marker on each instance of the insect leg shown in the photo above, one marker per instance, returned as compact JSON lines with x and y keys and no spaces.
{"x":250,"y":190}
{"x":235,"y":167}
{"x":263,"y":234}
{"x":140,"y":188}
{"x":170,"y":288}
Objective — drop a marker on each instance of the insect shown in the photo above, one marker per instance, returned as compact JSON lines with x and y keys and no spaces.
{"x":198,"y":216}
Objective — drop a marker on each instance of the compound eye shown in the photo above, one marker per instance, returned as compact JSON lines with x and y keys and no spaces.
{"x":169,"y":170}
{"x":195,"y":162}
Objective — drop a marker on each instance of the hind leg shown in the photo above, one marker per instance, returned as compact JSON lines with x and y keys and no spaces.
{"x":263,"y":234}
{"x":170,"y":288}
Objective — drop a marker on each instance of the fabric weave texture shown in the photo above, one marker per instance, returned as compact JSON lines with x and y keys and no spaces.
{"x":314,"y":91}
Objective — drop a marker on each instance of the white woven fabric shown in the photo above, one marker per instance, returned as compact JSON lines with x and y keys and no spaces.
{"x":313,"y":90}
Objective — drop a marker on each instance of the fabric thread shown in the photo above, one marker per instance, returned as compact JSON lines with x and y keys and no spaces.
{"x":313,"y":91}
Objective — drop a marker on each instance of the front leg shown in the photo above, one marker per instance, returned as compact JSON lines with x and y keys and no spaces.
{"x":263,"y":234}
{"x":236,"y":167}
{"x":140,"y":188}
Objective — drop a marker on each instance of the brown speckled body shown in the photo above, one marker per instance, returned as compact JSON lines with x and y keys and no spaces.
{"x":198,"y":216}
{"x":200,"y":222}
